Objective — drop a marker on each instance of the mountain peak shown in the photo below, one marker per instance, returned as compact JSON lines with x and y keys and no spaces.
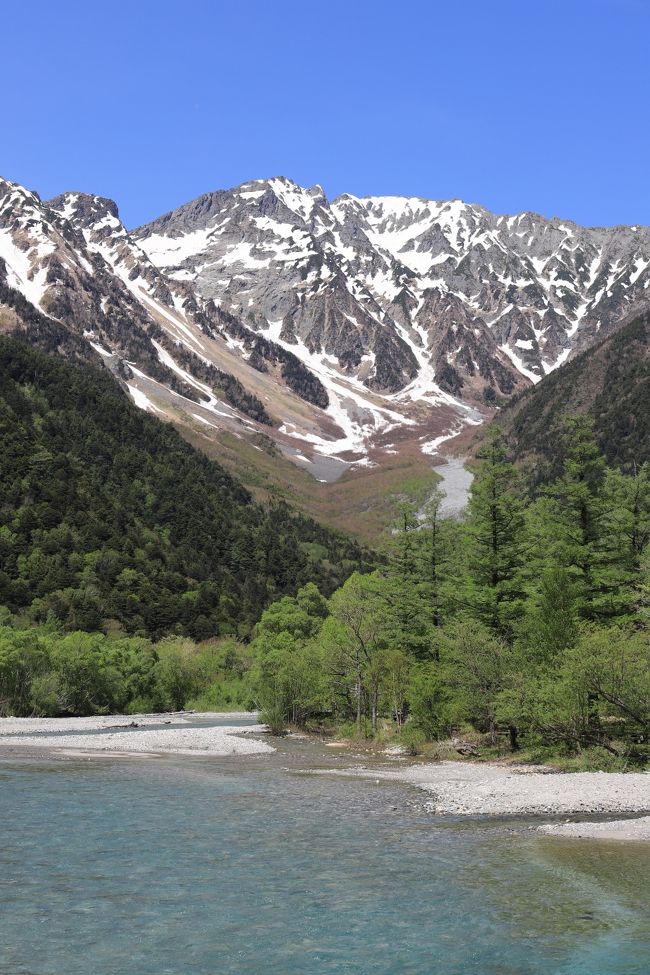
{"x":381,"y":312}
{"x":84,"y":208}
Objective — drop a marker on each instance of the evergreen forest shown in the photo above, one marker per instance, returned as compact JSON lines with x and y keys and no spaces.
{"x":522,"y":628}
{"x":109,"y":520}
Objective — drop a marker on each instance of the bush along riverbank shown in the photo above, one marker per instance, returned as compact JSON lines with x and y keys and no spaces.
{"x":46,"y":672}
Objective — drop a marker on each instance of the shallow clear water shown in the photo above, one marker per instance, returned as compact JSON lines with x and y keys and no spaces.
{"x":176,"y":865}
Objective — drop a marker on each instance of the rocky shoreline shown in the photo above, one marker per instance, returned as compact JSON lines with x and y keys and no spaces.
{"x":493,"y":789}
{"x":628,"y":830}
{"x":133,"y":735}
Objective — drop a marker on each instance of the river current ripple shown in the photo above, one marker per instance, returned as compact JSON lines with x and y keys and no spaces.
{"x":197,"y":866}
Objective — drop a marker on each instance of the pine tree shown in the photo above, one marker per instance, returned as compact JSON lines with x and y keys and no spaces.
{"x":573,"y":514}
{"x":434,"y":553}
{"x":495,"y":538}
{"x":625,"y":539}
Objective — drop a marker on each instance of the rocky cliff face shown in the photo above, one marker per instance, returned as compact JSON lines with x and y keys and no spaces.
{"x":610,"y":382}
{"x":396,"y":288}
{"x":342,"y":330}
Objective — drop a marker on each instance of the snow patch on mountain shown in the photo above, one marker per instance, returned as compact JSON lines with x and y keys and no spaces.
{"x":382,"y":284}
{"x":23,"y":271}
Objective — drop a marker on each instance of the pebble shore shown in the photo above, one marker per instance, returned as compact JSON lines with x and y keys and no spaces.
{"x":467,"y":788}
{"x":180,"y":738}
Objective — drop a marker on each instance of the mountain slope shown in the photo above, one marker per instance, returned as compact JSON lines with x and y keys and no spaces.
{"x":106,"y":513}
{"x":467,"y":300}
{"x":311,"y":274}
{"x":179,"y":354}
{"x":73,"y":260}
{"x":609,"y":382}
{"x":313,"y":345}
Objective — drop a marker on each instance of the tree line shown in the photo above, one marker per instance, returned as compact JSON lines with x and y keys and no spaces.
{"x":45,"y":671}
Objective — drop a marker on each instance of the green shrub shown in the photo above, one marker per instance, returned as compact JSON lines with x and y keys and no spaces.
{"x":413,"y":739}
{"x":352,"y":731}
{"x":275,"y":720}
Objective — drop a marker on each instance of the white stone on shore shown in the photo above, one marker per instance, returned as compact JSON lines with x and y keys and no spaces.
{"x":498,"y":790}
{"x":616,"y":829}
{"x":96,"y":722}
{"x":183,"y":740}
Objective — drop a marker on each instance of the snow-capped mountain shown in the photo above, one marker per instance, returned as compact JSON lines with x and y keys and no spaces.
{"x":73,"y":280}
{"x":346,"y":332}
{"x":85,"y":282}
{"x":51,"y":257}
{"x":401,"y":289}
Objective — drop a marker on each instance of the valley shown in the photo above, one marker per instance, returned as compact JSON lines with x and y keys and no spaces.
{"x":325,"y":489}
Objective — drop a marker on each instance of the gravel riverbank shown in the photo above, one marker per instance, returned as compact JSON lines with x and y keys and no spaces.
{"x":613,"y":829}
{"x":452,"y":788}
{"x":465,"y":788}
{"x":134,"y":735}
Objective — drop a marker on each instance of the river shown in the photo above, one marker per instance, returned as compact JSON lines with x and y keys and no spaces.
{"x":455,"y":481}
{"x":194,"y":866}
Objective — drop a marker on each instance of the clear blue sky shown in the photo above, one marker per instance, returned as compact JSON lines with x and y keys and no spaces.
{"x":516,"y":104}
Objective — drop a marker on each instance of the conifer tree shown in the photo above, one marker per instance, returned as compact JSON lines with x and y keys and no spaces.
{"x":571,"y":520}
{"x":434,"y":552}
{"x":494,"y":538}
{"x":625,"y":538}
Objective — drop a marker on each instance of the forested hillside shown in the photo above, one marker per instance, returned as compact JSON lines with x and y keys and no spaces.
{"x":609,"y":383}
{"x":109,"y":519}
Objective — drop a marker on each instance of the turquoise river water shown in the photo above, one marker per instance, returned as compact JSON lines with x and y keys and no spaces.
{"x":196,"y":866}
